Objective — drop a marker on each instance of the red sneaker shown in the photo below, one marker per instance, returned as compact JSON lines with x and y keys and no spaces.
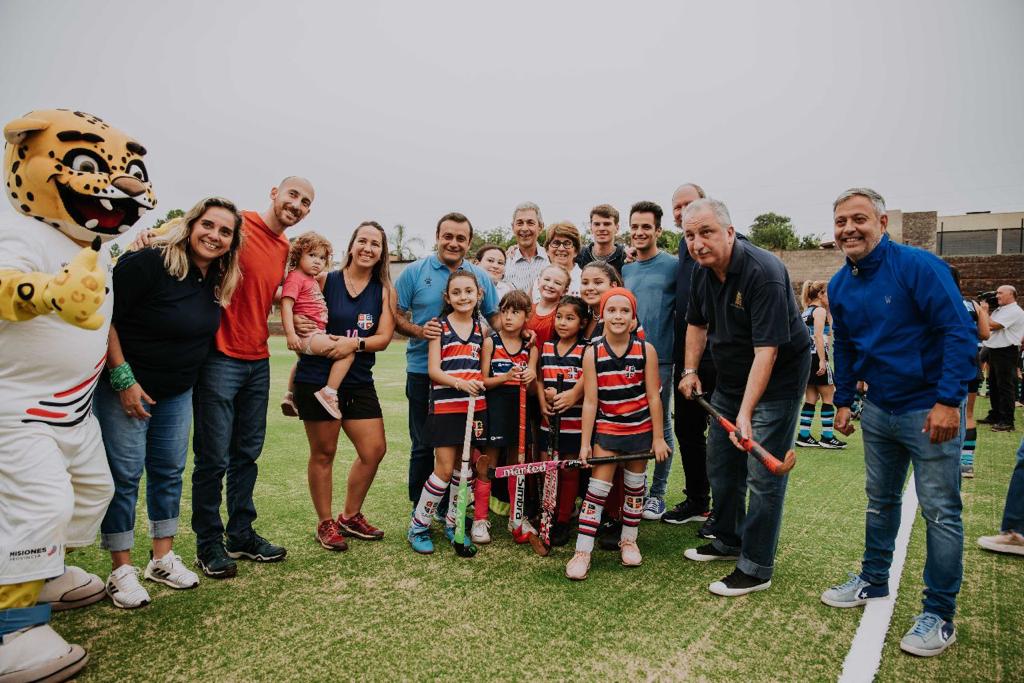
{"x":358,"y":527}
{"x":327,"y":535}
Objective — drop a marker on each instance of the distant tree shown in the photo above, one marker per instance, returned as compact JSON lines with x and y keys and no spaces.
{"x":501,"y":236}
{"x":402,"y":244}
{"x":172,"y":214}
{"x":669,"y":240}
{"x":772,"y":231}
{"x":811,"y":241}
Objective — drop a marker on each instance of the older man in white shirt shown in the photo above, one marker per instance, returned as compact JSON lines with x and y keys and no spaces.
{"x":1003,"y":345}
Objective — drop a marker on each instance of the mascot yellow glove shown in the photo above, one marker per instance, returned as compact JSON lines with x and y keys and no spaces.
{"x":75,"y":294}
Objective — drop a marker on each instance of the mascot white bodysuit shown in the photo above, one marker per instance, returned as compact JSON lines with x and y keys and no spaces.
{"x":79,"y":182}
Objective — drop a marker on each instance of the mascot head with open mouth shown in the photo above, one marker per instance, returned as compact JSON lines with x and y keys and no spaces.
{"x":76,"y":173}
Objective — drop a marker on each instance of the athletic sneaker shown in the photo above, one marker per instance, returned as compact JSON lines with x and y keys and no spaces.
{"x":329,"y":537}
{"x":929,"y":636}
{"x":419,"y":539}
{"x":706,"y":530}
{"x":329,"y":402}
{"x":630,"y":553}
{"x":481,"y":531}
{"x":72,"y":589}
{"x":1003,"y":427}
{"x":807,"y":442}
{"x":608,"y":535}
{"x":578,"y":567}
{"x":1009,"y":542}
{"x":560,"y":534}
{"x":854,"y":593}
{"x":707,"y":553}
{"x":739,"y":583}
{"x":832,"y":443}
{"x":967,"y":471}
{"x":124,"y":588}
{"x":171,"y":571}
{"x":215,"y":563}
{"x":358,"y":527}
{"x":255,"y":548}
{"x":654,"y":509}
{"x":686,"y":511}
{"x":288,"y":408}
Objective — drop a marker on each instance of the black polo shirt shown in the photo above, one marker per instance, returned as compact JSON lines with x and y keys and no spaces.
{"x":165,"y":325}
{"x":755,"y":306}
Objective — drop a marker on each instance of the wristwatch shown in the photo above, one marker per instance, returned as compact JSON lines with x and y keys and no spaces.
{"x":689,"y":371}
{"x":362,"y":344}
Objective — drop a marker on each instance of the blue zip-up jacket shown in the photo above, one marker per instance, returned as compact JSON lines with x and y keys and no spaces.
{"x":899,"y":324}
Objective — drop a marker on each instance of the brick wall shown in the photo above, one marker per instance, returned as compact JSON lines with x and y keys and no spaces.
{"x":919,"y":229}
{"x":811,"y":264}
{"x":985,"y":273}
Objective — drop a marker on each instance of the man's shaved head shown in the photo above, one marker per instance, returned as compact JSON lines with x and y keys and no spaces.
{"x":299,"y":181}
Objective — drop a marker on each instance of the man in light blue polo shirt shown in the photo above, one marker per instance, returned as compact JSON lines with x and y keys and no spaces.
{"x":652,"y":278}
{"x":420,"y":290}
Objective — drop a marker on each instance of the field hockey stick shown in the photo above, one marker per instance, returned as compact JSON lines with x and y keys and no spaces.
{"x":539,"y":467}
{"x":773,"y":464}
{"x":550,"y":499}
{"x":461,"y":543}
{"x":518,"y":501}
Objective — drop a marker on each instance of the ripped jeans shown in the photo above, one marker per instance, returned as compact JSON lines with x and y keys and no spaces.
{"x":891,"y":444}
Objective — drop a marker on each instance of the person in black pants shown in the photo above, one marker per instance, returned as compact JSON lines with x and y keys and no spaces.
{"x":691,"y":422}
{"x":1007,"y":326}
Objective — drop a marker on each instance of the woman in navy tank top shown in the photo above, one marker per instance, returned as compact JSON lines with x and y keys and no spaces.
{"x":359,"y":304}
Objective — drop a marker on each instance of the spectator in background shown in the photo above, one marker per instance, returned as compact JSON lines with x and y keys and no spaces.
{"x":562,"y":243}
{"x":652,"y":279}
{"x":166,"y":312}
{"x":979,"y":317}
{"x":1007,"y":325}
{"x":604,"y":226}
{"x":819,"y":384}
{"x":899,"y":324}
{"x":525,"y":259}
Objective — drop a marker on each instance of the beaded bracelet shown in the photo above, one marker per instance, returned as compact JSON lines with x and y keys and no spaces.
{"x":121,"y":377}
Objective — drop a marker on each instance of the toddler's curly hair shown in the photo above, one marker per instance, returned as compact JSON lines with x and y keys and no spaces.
{"x":306,"y":242}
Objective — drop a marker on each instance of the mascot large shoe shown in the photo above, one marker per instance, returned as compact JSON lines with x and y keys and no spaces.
{"x":78,"y":182}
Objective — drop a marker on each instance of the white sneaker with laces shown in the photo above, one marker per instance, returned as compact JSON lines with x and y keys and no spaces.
{"x":38,"y":653}
{"x":124,"y":588}
{"x":171,"y":571}
{"x":481,"y":531}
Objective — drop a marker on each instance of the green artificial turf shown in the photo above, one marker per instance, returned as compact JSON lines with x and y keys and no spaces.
{"x":379,"y":611}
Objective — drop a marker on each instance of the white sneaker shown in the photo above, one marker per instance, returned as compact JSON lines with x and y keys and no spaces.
{"x":171,"y":571}
{"x":74,"y":588}
{"x":124,"y":588}
{"x":481,"y":531}
{"x":39,"y":654}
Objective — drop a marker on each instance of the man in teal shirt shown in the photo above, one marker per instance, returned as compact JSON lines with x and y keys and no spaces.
{"x":652,"y":278}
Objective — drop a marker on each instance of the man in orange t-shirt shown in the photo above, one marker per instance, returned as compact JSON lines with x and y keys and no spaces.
{"x":231,"y":395}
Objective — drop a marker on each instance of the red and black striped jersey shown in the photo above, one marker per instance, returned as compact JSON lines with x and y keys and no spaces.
{"x":459,"y":358}
{"x":502,"y":361}
{"x":622,"y":408}
{"x":569,"y":366}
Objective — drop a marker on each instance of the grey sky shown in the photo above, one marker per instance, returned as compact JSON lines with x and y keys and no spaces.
{"x":403,"y":111}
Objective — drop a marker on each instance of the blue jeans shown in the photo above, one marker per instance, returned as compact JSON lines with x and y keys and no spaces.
{"x":230,"y":404}
{"x":662,"y":469}
{"x":891,"y":444}
{"x":158,"y":444}
{"x":421,"y":455}
{"x":751,"y":530}
{"x":1013,"y":512}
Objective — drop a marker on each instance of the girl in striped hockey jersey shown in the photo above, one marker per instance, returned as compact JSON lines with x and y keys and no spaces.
{"x":454,"y":367}
{"x":508,"y":362}
{"x":622,"y":413}
{"x":563,"y":357}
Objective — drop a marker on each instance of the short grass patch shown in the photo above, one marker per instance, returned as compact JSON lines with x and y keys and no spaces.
{"x":379,"y":611}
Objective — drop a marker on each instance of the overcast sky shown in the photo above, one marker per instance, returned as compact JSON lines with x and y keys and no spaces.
{"x":401,"y":112}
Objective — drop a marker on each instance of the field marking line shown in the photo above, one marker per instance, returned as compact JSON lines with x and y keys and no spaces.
{"x":865,"y":655}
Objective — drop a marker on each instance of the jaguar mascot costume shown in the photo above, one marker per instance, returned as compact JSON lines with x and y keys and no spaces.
{"x":78,"y":181}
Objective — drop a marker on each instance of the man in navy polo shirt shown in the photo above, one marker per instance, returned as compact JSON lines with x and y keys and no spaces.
{"x":420,"y":290}
{"x":742,"y":303}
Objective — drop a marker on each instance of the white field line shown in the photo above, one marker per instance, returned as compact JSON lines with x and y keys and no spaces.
{"x":865,"y":655}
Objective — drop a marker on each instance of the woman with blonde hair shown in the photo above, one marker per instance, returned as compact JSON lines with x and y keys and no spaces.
{"x":814,"y":297}
{"x":168,"y":299}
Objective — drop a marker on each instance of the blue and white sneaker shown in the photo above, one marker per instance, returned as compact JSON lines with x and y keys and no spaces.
{"x":854,"y":593}
{"x":929,"y":636}
{"x":654,"y":509}
{"x":419,"y":539}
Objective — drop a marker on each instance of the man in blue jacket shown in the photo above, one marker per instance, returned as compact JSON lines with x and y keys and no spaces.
{"x":899,"y":325}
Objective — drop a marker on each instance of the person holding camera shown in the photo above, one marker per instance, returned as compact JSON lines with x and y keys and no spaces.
{"x":1007,"y":325}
